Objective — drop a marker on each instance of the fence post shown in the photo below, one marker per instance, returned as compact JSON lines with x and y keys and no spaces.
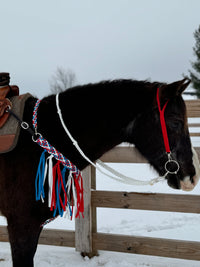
{"x":84,"y":227}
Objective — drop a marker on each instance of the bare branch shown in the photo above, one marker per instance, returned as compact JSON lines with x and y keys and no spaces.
{"x":62,"y":80}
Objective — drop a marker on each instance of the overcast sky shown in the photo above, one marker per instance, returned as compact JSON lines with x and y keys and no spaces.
{"x":97,"y":39}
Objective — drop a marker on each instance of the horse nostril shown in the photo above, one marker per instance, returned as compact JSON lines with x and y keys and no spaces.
{"x":192,"y":179}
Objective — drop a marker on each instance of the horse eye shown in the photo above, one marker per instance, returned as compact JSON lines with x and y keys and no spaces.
{"x":176,"y":125}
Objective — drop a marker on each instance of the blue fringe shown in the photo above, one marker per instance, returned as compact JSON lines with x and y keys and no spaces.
{"x":39,"y":188}
{"x":57,"y":200}
{"x":63,"y":175}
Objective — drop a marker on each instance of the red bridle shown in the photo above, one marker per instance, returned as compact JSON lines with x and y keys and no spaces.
{"x":162,"y":122}
{"x":165,"y":137}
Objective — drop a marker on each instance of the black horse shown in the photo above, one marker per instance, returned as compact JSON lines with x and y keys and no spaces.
{"x":99,"y":116}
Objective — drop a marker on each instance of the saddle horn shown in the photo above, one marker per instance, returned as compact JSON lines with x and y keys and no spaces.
{"x":4,"y":78}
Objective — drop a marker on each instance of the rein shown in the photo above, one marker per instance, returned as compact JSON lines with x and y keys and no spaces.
{"x":117,"y":175}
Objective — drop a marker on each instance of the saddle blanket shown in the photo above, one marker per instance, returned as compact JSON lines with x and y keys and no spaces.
{"x":9,"y":133}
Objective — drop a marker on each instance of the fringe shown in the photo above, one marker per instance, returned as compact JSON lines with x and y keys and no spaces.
{"x":64,"y":193}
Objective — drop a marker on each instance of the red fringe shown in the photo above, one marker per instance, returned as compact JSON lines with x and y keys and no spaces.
{"x":79,"y":191}
{"x":78,"y":182}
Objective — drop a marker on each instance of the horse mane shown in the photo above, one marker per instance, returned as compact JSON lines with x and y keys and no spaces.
{"x":117,"y":84}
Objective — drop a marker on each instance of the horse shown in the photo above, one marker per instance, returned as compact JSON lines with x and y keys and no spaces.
{"x":99,"y":116}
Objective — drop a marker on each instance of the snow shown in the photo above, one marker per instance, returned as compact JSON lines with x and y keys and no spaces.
{"x":48,"y":256}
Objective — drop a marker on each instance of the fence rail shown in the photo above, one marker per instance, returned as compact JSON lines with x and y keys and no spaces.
{"x":148,"y":246}
{"x":146,"y":201}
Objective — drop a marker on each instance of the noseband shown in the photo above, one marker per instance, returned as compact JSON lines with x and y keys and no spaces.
{"x":170,"y":161}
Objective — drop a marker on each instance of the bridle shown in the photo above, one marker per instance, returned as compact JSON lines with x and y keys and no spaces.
{"x":36,"y":137}
{"x":165,"y":137}
{"x":119,"y":176}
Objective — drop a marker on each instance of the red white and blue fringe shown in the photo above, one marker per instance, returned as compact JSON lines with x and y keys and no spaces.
{"x":65,"y":191}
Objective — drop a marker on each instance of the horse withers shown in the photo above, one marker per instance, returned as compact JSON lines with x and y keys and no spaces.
{"x":99,"y":116}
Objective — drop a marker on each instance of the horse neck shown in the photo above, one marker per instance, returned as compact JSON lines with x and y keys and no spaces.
{"x":96,"y":116}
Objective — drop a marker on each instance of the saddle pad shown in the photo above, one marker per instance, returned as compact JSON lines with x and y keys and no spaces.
{"x":9,"y":133}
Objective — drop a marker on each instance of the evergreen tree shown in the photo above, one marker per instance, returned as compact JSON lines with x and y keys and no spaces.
{"x":195,"y":76}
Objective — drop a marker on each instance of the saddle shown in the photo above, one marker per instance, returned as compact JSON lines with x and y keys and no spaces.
{"x":9,"y":99}
{"x":6,"y":92}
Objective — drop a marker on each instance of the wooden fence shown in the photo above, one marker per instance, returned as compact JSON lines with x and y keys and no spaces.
{"x":87,"y":240}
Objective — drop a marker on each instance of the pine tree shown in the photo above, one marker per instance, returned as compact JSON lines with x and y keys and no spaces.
{"x":195,"y":76}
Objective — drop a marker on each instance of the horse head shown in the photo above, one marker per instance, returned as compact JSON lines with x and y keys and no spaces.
{"x":180,"y":164}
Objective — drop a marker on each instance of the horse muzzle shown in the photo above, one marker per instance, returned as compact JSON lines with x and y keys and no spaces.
{"x":188,"y":183}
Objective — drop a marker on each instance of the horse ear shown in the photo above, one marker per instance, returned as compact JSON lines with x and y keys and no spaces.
{"x":175,"y":88}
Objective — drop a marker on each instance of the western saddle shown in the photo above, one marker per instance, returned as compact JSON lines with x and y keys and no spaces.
{"x":6,"y":92}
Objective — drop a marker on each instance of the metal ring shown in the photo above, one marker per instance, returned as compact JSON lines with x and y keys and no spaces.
{"x":36,"y":136}
{"x":24,"y":125}
{"x":8,"y":108}
{"x":167,"y":166}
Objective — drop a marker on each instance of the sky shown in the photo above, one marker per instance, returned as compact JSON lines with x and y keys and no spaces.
{"x":98,"y":40}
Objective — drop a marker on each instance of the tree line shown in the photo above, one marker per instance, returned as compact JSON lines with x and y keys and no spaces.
{"x":194,"y":74}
